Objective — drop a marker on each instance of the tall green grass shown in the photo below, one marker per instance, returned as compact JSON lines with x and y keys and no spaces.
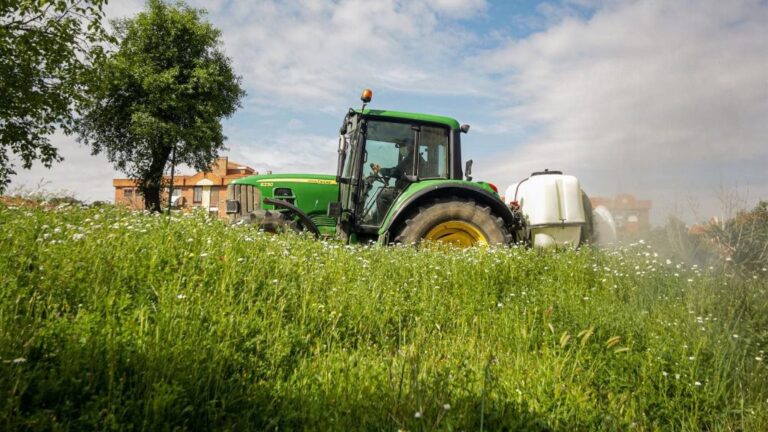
{"x":118,"y":321}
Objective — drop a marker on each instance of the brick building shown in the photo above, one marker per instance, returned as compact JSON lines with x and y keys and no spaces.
{"x":200,"y":190}
{"x":632,"y":216}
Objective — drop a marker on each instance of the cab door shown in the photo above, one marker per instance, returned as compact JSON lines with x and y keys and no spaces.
{"x":388,"y":167}
{"x":348,"y":173}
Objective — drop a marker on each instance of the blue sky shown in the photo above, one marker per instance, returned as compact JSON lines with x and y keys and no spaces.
{"x":664,"y":99}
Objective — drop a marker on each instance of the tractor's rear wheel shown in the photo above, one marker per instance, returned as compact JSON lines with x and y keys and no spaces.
{"x":455,"y":221}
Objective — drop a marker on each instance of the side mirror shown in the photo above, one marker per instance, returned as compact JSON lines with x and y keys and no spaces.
{"x":464,"y":128}
{"x":468,"y":170}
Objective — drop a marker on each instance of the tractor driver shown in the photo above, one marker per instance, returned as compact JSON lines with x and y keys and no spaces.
{"x":385,"y":194}
{"x":404,"y":167}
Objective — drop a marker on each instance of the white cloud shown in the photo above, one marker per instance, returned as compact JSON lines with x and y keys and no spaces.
{"x":289,"y":153}
{"x":314,"y":52}
{"x":458,"y":8}
{"x":86,"y":177}
{"x":660,"y":98}
{"x":123,"y":8}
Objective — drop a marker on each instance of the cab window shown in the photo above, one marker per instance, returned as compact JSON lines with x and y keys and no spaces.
{"x":433,"y":152}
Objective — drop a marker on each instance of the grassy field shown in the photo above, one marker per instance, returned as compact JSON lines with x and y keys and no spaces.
{"x":112,"y":320}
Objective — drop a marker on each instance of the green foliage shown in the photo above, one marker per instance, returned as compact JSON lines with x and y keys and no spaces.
{"x":116,"y":320}
{"x":168,"y":85}
{"x":738,"y":245}
{"x":45,"y":49}
{"x":742,"y":241}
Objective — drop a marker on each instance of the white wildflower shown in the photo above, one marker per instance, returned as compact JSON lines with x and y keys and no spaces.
{"x":697,"y":384}
{"x":446,"y":406}
{"x":417,"y":414}
{"x":19,"y":360}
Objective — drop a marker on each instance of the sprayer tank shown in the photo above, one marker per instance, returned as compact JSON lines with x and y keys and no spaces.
{"x":552,"y":206}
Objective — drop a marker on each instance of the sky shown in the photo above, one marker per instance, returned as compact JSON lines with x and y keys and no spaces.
{"x":667,"y":100}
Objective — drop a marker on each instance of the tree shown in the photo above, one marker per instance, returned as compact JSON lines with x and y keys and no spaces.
{"x":163,"y":92}
{"x":45,"y":48}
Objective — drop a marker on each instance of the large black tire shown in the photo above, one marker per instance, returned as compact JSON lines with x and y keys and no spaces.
{"x":443,"y":212}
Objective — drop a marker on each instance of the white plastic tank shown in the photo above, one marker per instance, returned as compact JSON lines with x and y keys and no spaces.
{"x":552,"y":206}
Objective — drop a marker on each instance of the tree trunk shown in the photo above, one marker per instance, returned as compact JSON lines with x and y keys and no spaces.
{"x":153,"y":180}
{"x":152,"y":198}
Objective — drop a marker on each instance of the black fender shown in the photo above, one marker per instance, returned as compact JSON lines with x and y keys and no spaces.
{"x":480,"y":195}
{"x":305,"y":220}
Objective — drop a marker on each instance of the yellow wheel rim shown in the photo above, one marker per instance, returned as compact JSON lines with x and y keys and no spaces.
{"x":456,"y":233}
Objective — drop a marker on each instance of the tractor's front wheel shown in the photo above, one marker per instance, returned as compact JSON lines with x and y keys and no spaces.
{"x":461,"y":223}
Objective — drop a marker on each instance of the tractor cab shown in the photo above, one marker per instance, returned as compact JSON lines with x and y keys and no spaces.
{"x":381,"y":154}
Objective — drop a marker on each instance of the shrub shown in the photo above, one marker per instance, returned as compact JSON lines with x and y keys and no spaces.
{"x":740,"y":242}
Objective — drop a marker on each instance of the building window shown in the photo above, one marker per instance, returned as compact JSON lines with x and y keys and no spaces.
{"x":214,"y":196}
{"x":128,"y":193}
{"x":176,"y":197}
{"x":197,"y":194}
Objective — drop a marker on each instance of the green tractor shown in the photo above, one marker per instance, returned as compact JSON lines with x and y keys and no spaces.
{"x":400,"y":179}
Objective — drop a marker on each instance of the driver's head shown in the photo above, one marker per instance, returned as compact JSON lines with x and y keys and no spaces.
{"x":405,"y":147}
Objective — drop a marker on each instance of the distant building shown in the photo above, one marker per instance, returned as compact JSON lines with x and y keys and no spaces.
{"x":200,"y":190}
{"x":632,"y":216}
